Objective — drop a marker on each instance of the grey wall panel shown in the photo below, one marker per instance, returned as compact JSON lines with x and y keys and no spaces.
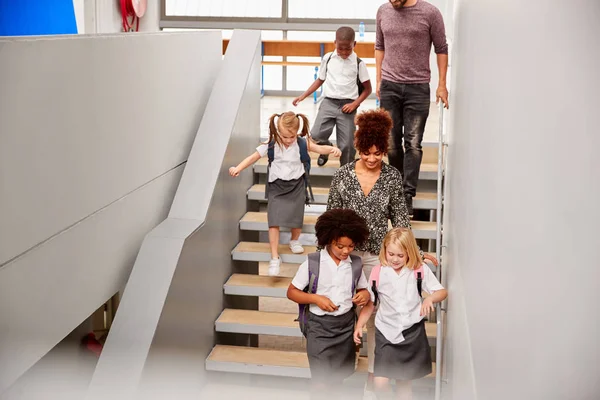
{"x":185,"y":334}
{"x":85,"y":120}
{"x":53,"y":288}
{"x":228,"y":132}
{"x":522,"y":207}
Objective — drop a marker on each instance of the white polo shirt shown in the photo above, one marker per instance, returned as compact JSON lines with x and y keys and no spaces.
{"x":399,"y":301}
{"x":286,"y":163}
{"x":340,"y":76}
{"x":335,"y":283}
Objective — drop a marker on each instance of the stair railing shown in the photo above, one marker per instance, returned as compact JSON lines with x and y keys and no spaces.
{"x":438,"y":251}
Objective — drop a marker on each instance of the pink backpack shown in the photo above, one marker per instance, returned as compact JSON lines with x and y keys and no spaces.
{"x":374,"y":278}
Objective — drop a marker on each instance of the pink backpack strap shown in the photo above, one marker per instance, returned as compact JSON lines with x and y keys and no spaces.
{"x":374,"y":281}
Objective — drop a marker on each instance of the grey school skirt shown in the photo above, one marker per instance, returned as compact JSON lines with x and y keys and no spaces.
{"x":286,"y":203}
{"x":405,"y":361}
{"x":330,"y":346}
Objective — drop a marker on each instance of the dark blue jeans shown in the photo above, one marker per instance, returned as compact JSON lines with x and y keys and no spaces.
{"x":409,"y":106}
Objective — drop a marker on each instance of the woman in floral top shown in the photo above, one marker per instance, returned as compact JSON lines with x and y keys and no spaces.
{"x":373,"y":189}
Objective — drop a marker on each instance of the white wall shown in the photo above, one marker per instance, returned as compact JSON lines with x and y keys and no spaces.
{"x":104,"y":16}
{"x":522,"y":205}
{"x":91,"y":151}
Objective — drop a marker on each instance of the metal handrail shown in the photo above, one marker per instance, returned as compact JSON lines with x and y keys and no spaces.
{"x":438,"y":249}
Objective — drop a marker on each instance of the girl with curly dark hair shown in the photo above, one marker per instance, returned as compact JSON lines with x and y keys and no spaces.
{"x":327,"y":283}
{"x":373,"y":189}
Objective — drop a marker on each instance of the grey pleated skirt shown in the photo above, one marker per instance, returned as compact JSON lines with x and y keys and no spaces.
{"x":330,"y":346}
{"x":405,"y":361}
{"x":286,"y":203}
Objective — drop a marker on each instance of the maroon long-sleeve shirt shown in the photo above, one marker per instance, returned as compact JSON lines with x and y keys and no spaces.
{"x":406,"y":36}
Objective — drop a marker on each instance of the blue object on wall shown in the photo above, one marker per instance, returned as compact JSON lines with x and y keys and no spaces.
{"x":37,"y":17}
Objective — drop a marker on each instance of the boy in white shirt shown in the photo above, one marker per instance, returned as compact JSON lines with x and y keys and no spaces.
{"x":331,"y":317}
{"x":341,"y":72}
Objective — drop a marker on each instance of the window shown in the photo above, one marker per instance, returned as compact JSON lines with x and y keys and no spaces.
{"x":224,"y":8}
{"x":334,"y":9}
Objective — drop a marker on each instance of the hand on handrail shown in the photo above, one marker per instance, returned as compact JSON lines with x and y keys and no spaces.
{"x":442,"y":94}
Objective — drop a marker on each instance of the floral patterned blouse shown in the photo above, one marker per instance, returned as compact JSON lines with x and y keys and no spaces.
{"x":384,"y":202}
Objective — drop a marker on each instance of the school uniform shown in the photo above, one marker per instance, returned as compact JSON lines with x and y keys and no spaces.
{"x":340,"y":88}
{"x":401,"y":346}
{"x":287,"y":194}
{"x":330,"y":345}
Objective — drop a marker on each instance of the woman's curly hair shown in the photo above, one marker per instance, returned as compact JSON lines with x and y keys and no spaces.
{"x":340,"y":222}
{"x":374,"y":128}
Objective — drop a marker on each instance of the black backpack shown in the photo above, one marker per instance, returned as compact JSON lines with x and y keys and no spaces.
{"x":361,"y":87}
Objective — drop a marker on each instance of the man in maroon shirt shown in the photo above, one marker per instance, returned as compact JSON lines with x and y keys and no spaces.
{"x":405,"y":31}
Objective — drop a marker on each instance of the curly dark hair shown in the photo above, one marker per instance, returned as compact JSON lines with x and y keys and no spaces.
{"x":340,"y":222}
{"x":374,"y":128}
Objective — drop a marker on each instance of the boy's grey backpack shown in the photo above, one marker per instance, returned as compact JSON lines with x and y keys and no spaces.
{"x":314,"y":262}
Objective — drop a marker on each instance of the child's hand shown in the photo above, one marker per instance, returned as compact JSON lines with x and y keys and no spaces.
{"x":350,"y":108}
{"x":335,"y":152}
{"x":358,"y":333}
{"x":325,"y":304}
{"x":297,"y":100}
{"x":361,"y":298}
{"x":427,"y":306}
{"x":234,"y":171}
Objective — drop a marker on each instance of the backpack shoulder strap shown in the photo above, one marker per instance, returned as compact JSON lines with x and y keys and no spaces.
{"x":305,"y":159}
{"x":303,"y":146}
{"x":271,"y":151}
{"x":270,"y":157}
{"x":356,"y":271}
{"x":374,"y":280}
{"x":419,"y":277}
{"x":314,"y":259}
{"x":327,"y":63}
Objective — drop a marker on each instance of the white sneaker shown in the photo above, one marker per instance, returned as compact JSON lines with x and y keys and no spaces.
{"x":274,"y":266}
{"x":296,"y":247}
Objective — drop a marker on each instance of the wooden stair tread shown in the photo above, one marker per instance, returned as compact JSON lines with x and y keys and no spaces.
{"x":257,"y":247}
{"x":428,"y":170}
{"x":274,"y":282}
{"x":284,"y":249}
{"x":258,"y":221}
{"x":254,"y":356}
{"x":253,"y":317}
{"x":260,"y":188}
{"x":277,"y":319}
{"x":311,"y":219}
{"x":423,"y":200}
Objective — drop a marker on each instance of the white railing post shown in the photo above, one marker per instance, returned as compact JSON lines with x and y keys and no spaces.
{"x":438,"y":248}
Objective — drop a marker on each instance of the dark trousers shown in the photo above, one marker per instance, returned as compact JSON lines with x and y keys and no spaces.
{"x":409,"y":106}
{"x":330,"y":114}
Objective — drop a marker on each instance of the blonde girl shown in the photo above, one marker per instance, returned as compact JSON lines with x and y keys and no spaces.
{"x":286,"y":191}
{"x":402,"y":349}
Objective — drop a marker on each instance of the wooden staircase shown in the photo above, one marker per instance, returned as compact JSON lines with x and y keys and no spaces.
{"x":280,"y":323}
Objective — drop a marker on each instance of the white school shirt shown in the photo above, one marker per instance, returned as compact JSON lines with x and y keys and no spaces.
{"x":286,"y":163}
{"x":399,"y":301}
{"x":335,"y":283}
{"x":340,"y":76}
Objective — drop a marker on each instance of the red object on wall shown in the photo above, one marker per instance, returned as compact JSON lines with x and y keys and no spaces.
{"x":134,"y":9}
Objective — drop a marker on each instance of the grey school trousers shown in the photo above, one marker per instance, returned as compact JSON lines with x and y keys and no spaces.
{"x":330,"y":114}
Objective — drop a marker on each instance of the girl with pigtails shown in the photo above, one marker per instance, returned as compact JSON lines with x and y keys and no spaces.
{"x":289,"y":162}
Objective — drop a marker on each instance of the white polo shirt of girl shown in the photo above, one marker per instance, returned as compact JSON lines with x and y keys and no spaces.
{"x":399,"y":301}
{"x":286,"y":163}
{"x":335,"y":283}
